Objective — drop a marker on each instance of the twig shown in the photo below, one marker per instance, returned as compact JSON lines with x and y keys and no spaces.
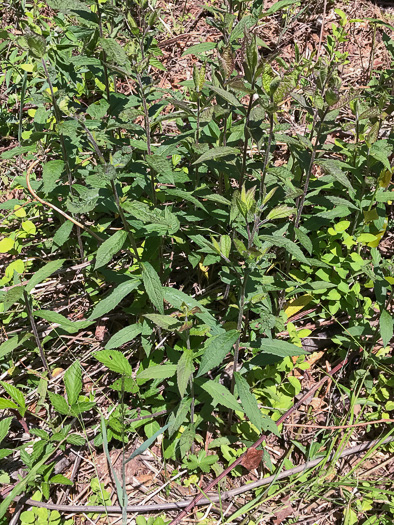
{"x":337,"y":427}
{"x":115,"y":509}
{"x":35,"y":332}
{"x":45,"y":203}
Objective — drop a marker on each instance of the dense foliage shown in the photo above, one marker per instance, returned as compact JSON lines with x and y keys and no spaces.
{"x":192,"y":224}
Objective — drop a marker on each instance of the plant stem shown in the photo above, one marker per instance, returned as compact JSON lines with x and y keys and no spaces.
{"x":58,"y":118}
{"x":35,"y":332}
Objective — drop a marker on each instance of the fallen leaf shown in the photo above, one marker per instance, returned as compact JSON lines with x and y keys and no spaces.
{"x":252,"y":459}
{"x":283,"y":513}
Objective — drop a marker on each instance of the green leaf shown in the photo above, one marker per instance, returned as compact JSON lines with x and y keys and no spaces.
{"x":6,"y":403}
{"x":277,"y":6}
{"x":4,"y":427}
{"x":114,"y":298}
{"x":62,"y":235}
{"x":153,"y":286}
{"x":158,"y":372}
{"x":287,"y":244}
{"x":184,"y":370}
{"x":115,"y":52}
{"x":166,"y":322}
{"x":75,"y":439}
{"x":280,"y":348}
{"x":59,"y":478}
{"x":36,"y":43}
{"x":98,"y":109}
{"x":12,"y":296}
{"x":381,"y":151}
{"x":280,"y":212}
{"x":115,"y":361}
{"x":70,"y":327}
{"x":51,"y":173}
{"x":199,"y":48}
{"x":304,"y":240}
{"x":176,"y":298}
{"x":124,"y":336}
{"x":6,"y":245}
{"x":386,"y":327}
{"x":221,"y":395}
{"x":334,"y":168}
{"x":141,"y":449}
{"x":21,"y":486}
{"x":216,"y":348}
{"x":59,"y":403}
{"x":73,"y":382}
{"x":16,"y":395}
{"x":248,"y":401}
{"x":43,"y":273}
{"x":214,"y":153}
{"x":109,"y":248}
{"x":226,"y":95}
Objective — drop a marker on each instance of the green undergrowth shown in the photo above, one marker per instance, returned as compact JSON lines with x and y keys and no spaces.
{"x":195,"y":222}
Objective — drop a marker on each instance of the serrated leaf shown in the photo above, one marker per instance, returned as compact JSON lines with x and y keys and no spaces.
{"x":73,"y":382}
{"x":153,"y":286}
{"x":75,"y":439}
{"x":62,"y":235}
{"x":216,"y":349}
{"x":221,"y":395}
{"x":175,"y":421}
{"x":51,"y":172}
{"x":115,"y":361}
{"x":280,"y":348}
{"x":287,"y":244}
{"x":36,"y":43}
{"x":280,"y":212}
{"x":70,"y":327}
{"x":4,"y":427}
{"x":199,"y":48}
{"x":334,"y":168}
{"x":59,"y":478}
{"x":381,"y":151}
{"x":59,"y":403}
{"x":109,"y":248}
{"x":304,"y":240}
{"x":124,"y":336}
{"x":279,"y":5}
{"x":115,"y":52}
{"x":16,"y":395}
{"x":251,"y":407}
{"x":114,"y":298}
{"x":163,"y":321}
{"x":176,"y":298}
{"x":158,"y":372}
{"x":184,"y":370}
{"x":386,"y":327}
{"x":12,"y":296}
{"x":43,"y":273}
{"x":219,"y":151}
{"x":7,"y":403}
{"x":226,"y":95}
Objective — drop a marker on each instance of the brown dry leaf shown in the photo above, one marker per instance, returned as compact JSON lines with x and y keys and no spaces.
{"x":312,"y":358}
{"x":284,"y":512}
{"x":316,"y":402}
{"x":57,"y":371}
{"x":99,"y":333}
{"x":146,"y":479}
{"x":252,"y":459}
